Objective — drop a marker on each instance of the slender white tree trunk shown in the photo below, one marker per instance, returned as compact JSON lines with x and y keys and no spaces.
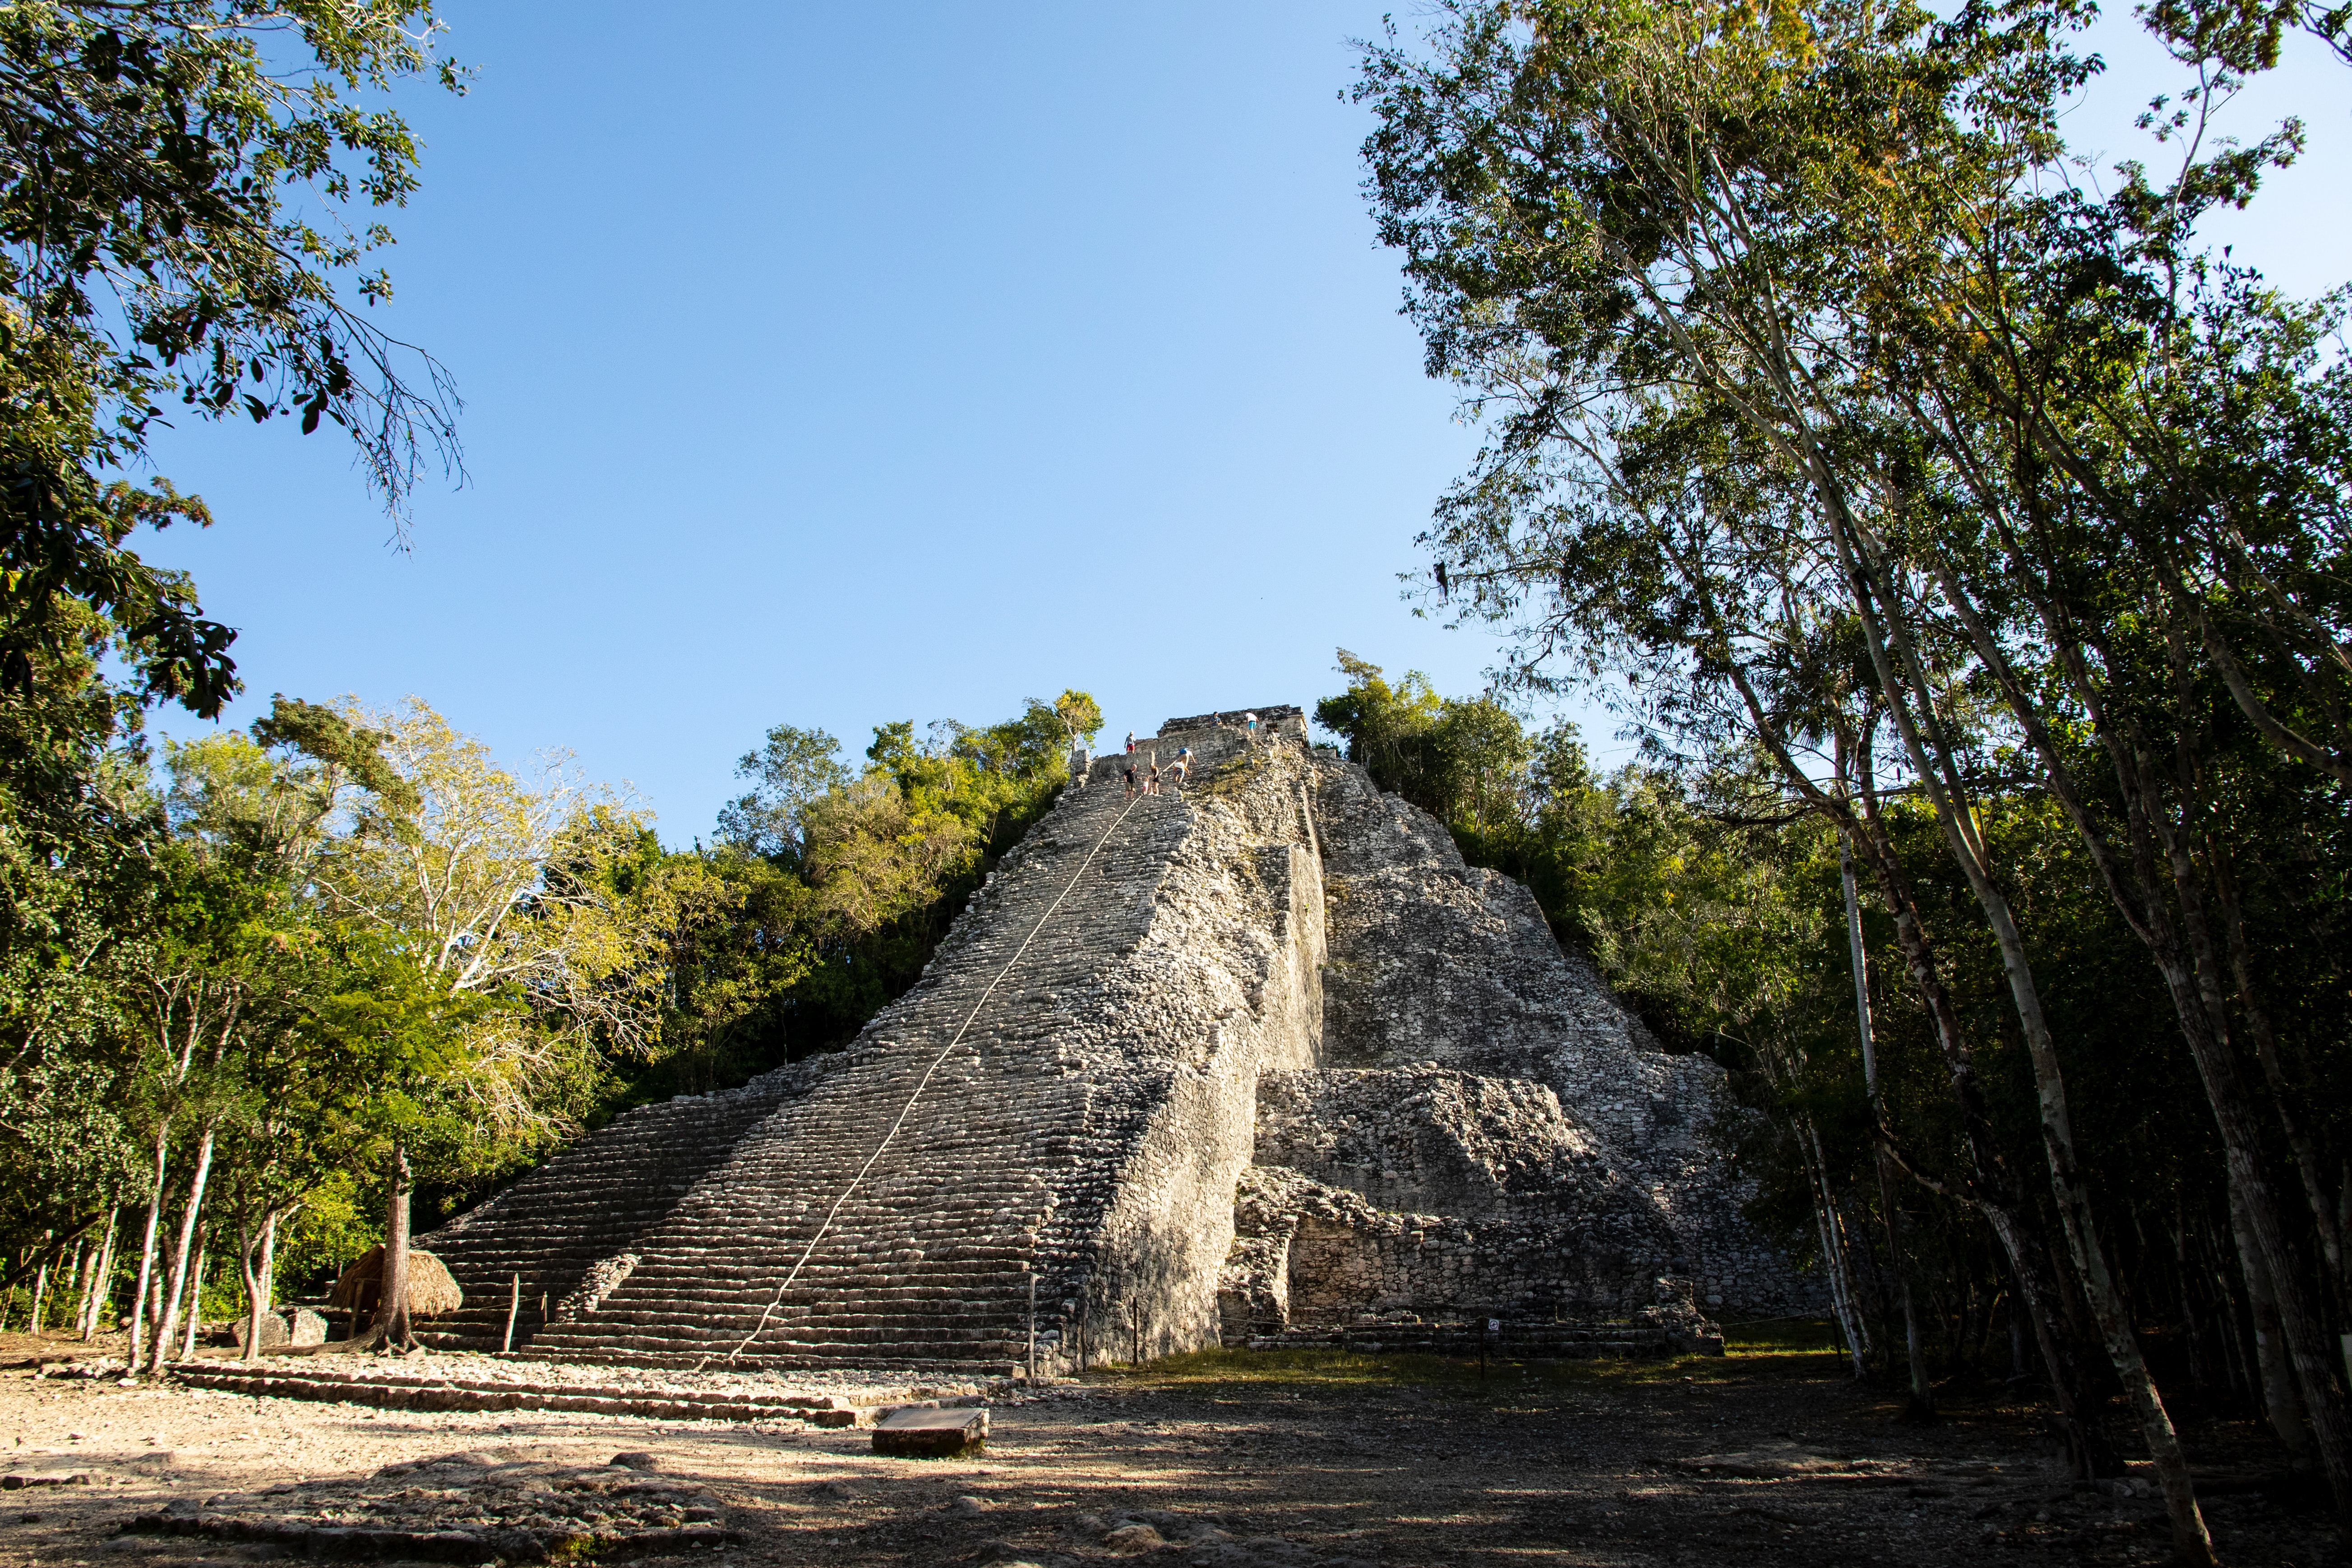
{"x":1923,"y":1394}
{"x":101,"y":1281}
{"x":85,"y":1265}
{"x":40,"y":1292}
{"x":195,"y":1298}
{"x":257,"y":1259}
{"x":145,"y":1288}
{"x":189,"y":1217}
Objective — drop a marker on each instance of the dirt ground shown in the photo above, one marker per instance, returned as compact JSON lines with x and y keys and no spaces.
{"x":1222,"y":1460}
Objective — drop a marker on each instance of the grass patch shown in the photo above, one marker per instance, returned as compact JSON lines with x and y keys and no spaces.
{"x":1783,"y":1336}
{"x":1344,"y":1371}
{"x":1797,"y":1347}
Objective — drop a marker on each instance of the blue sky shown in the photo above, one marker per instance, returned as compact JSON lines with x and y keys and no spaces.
{"x":844,"y":364}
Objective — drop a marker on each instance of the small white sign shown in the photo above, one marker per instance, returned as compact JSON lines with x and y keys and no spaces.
{"x":1494,"y":1325}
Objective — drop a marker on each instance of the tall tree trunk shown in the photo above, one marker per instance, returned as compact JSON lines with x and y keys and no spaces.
{"x":1827,"y":1220}
{"x":1922,"y":1405}
{"x":256,"y":1258}
{"x":85,"y":1264}
{"x":391,"y":1311}
{"x":196,"y":1295}
{"x":189,"y":1217}
{"x":135,"y":1350}
{"x":101,"y":1281}
{"x":269,"y":1260}
{"x":154,"y":1303}
{"x":2282,"y":1399}
{"x":41,"y":1290}
{"x":1878,"y":607}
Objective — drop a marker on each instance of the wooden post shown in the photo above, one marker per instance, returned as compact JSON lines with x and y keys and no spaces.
{"x":391,"y":1291}
{"x":514,"y":1305}
{"x":1032,"y":1325}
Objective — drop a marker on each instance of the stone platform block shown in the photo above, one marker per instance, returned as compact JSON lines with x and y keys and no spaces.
{"x":921,"y":1434}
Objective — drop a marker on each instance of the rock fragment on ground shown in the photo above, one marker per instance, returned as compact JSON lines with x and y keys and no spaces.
{"x":462,"y":1508}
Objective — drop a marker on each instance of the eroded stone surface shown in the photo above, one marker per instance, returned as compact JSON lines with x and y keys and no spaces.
{"x":1267,"y":1057}
{"x":463,"y":1507}
{"x":1489,"y":1132}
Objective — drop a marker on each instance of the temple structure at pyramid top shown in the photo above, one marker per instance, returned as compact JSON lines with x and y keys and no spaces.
{"x":1254,"y":1058}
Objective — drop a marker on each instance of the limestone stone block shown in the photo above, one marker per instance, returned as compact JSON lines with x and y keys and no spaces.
{"x":274,"y":1331}
{"x":926,"y":1434}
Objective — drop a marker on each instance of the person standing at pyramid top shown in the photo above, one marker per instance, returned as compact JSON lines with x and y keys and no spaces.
{"x":1249,"y":725}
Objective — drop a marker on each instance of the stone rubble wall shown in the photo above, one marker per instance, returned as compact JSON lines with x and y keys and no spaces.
{"x":1474,"y":1071}
{"x":1430,"y":1194}
{"x":1268,"y":1053}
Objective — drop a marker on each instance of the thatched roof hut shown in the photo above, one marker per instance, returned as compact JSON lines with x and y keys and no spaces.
{"x":431,"y":1290}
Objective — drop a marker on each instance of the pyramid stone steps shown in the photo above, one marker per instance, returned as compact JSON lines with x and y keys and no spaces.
{"x":1040,"y":1143}
{"x":1063,"y":1109}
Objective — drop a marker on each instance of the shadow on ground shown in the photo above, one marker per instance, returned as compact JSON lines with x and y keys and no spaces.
{"x":1289,"y":1459}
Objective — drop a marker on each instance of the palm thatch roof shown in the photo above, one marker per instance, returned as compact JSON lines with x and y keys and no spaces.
{"x":431,"y":1290}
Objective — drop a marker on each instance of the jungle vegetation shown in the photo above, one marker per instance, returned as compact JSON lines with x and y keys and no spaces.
{"x":1963,"y":537}
{"x":1938,"y":507}
{"x":262,"y":993}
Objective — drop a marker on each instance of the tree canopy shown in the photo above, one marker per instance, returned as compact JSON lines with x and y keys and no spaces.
{"x":1860,"y":452}
{"x":187,"y":219}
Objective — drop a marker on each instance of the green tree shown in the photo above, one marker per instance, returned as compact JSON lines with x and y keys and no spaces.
{"x":183,"y":215}
{"x":1913,"y":480}
{"x":79,"y":831}
{"x":826,"y":893}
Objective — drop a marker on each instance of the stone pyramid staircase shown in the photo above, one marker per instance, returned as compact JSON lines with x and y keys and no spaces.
{"x":1121,"y":1092}
{"x":532,"y":1244}
{"x":1031,"y":1109}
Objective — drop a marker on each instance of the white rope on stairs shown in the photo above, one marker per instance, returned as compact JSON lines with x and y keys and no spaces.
{"x":923,"y":1083}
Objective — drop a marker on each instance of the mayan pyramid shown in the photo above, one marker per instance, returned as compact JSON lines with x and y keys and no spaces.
{"x":1260,"y":1059}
